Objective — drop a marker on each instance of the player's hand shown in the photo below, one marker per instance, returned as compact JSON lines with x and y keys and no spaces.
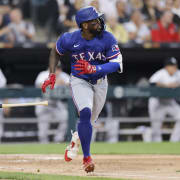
{"x":50,"y":81}
{"x":84,"y":67}
{"x":173,"y":85}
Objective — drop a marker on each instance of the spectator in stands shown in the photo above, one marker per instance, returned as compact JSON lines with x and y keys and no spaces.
{"x":135,"y":4}
{"x":61,"y":27}
{"x":18,"y":31}
{"x":56,"y":110}
{"x":168,"y":5}
{"x":22,"y":31}
{"x":167,"y":77}
{"x":137,"y":29}
{"x":5,"y":36}
{"x":66,"y":20}
{"x":165,"y":30}
{"x":2,"y":85}
{"x":5,"y":11}
{"x":37,"y":13}
{"x":117,"y":29}
{"x":121,"y":11}
{"x":13,"y":3}
{"x":176,"y":12}
{"x":160,"y":4}
{"x":150,"y":12}
{"x":108,"y":7}
{"x":95,"y":3}
{"x":164,"y":5}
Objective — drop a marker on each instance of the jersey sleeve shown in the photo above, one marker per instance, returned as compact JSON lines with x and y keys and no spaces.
{"x":112,"y":49}
{"x":3,"y":79}
{"x":155,"y":77}
{"x":61,"y":45}
{"x":178,"y":76}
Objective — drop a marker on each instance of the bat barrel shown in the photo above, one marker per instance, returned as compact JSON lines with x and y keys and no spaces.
{"x":43,"y":103}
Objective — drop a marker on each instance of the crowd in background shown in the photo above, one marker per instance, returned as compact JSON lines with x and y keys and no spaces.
{"x":133,"y":22}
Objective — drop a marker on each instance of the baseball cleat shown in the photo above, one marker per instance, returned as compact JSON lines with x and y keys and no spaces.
{"x":88,"y":164}
{"x":73,"y":149}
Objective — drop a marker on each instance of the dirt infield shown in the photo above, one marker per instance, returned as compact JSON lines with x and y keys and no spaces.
{"x":141,"y":167}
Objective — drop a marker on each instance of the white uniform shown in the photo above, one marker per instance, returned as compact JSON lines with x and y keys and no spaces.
{"x":2,"y":85}
{"x":160,"y":107}
{"x":56,"y":110}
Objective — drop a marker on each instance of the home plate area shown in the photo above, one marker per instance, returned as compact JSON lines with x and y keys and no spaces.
{"x":141,"y":167}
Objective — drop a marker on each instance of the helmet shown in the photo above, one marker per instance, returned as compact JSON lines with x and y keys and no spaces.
{"x":87,"y":14}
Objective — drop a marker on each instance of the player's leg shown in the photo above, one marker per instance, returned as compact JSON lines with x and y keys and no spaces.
{"x":99,"y":96}
{"x":83,"y":98}
{"x":82,"y":94}
{"x":157,"y":114}
{"x":61,"y":115}
{"x":174,"y":111}
{"x":43,"y":116}
{"x":100,"y":92}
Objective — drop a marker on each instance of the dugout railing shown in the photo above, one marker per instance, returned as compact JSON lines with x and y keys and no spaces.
{"x":100,"y":127}
{"x":116,"y":92}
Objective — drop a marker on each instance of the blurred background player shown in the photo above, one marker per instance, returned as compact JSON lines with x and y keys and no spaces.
{"x":56,"y":110}
{"x":94,"y":53}
{"x":2,"y":85}
{"x":167,"y":77}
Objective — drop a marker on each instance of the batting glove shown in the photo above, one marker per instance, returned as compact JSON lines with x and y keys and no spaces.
{"x":84,"y":67}
{"x":50,"y":81}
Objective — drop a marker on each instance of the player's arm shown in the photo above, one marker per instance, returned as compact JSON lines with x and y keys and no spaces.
{"x":53,"y":60}
{"x":55,"y":55}
{"x":169,"y":85}
{"x":159,"y":84}
{"x":119,"y":60}
{"x":157,"y":80}
{"x":113,"y":65}
{"x":86,"y":68}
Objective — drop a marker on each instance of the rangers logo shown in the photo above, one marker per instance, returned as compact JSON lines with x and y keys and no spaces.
{"x":115,"y":48}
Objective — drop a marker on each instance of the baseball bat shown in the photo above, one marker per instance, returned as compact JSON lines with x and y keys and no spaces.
{"x":43,"y":103}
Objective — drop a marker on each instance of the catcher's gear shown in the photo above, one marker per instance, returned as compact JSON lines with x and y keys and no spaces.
{"x":84,"y":67}
{"x":50,"y":81}
{"x":87,"y":14}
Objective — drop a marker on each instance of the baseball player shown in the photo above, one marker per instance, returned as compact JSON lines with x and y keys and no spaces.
{"x":55,"y":110}
{"x":94,"y":53}
{"x":2,"y":85}
{"x":168,"y":77}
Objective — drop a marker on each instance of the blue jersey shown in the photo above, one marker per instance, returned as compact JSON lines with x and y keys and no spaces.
{"x":97,"y":51}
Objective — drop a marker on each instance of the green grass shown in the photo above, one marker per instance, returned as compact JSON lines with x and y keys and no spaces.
{"x":96,"y":148}
{"x":30,"y":176}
